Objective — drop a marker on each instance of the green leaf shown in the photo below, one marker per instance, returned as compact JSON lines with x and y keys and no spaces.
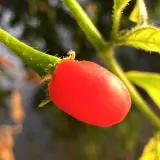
{"x":120,"y":4}
{"x":139,"y":14}
{"x":40,"y":62}
{"x":150,"y":82}
{"x":152,"y":149}
{"x":146,"y":38}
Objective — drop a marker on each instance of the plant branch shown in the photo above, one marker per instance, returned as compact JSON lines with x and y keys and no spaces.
{"x":40,"y":62}
{"x":136,"y":98}
{"x":115,"y":25}
{"x":118,"y":8}
{"x":43,"y":63}
{"x":106,"y":53}
{"x":86,"y":24}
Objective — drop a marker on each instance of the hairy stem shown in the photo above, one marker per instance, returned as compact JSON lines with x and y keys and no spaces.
{"x":40,"y":62}
{"x":118,"y":8}
{"x":115,"y":25}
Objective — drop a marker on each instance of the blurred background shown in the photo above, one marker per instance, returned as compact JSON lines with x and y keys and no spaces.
{"x":48,"y":133}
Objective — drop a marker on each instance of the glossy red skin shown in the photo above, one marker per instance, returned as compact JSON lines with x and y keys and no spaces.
{"x":89,"y":93}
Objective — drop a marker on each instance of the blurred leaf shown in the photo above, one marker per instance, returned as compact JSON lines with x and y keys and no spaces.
{"x":146,"y":38}
{"x":139,"y":14}
{"x":51,"y":15}
{"x":120,"y":4}
{"x":33,"y":6}
{"x":150,"y":82}
{"x":129,"y":130}
{"x":43,"y":7}
{"x":152,"y":149}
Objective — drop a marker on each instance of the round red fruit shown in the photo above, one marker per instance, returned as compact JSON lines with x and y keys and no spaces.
{"x":89,"y":93}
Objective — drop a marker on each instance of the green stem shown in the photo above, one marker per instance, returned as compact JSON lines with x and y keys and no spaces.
{"x":105,"y":52}
{"x":43,"y":63}
{"x":136,"y":98}
{"x":118,"y":8}
{"x":116,"y":22}
{"x":38,"y":61}
{"x":86,"y":24}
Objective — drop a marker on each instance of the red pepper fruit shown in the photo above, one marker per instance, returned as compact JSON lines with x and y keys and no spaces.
{"x":89,"y":93}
